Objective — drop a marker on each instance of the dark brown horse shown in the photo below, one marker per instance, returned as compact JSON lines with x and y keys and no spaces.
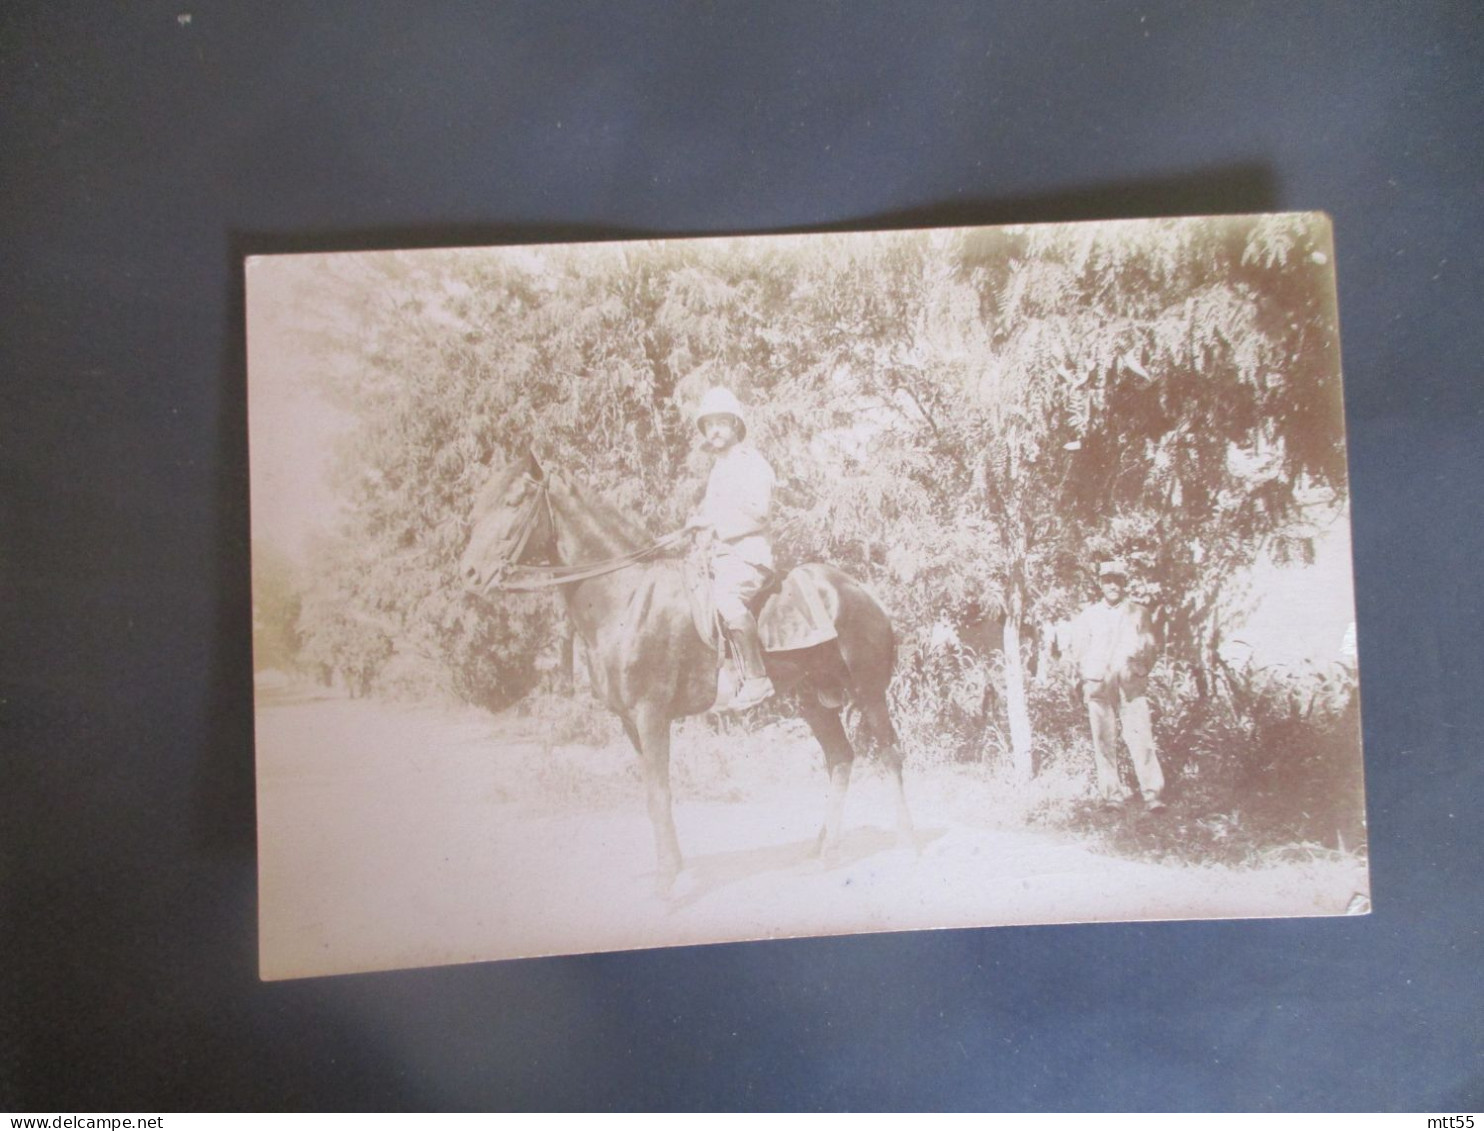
{"x":649,"y":664}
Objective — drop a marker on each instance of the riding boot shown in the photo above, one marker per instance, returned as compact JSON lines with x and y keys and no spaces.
{"x":756,"y":686}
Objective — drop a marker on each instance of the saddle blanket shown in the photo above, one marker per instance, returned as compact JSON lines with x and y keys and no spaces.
{"x":797,"y":612}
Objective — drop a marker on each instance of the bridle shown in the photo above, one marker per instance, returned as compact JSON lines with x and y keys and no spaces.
{"x":525,"y":524}
{"x":521,"y":577}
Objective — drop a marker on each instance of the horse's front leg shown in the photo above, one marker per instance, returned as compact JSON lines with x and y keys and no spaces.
{"x":650,"y":735}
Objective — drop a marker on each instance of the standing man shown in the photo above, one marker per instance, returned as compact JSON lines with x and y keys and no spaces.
{"x":1114,"y":648}
{"x":733,"y":520}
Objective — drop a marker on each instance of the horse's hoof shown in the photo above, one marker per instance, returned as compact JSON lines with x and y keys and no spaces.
{"x":829,"y":856}
{"x":815,"y":864}
{"x":683,"y":887}
{"x":667,"y":878}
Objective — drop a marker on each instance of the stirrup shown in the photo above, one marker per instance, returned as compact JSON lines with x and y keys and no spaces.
{"x":752,"y":692}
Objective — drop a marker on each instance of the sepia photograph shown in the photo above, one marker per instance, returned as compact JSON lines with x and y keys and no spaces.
{"x":663,"y":592}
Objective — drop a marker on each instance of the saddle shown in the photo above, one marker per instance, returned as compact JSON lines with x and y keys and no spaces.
{"x":793,"y":610}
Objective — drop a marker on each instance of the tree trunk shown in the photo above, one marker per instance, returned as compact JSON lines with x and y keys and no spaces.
{"x":1015,"y":700}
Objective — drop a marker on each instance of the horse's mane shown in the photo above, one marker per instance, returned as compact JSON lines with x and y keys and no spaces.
{"x":600,"y":520}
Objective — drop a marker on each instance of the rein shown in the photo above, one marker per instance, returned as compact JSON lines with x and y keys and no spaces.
{"x":526,"y":578}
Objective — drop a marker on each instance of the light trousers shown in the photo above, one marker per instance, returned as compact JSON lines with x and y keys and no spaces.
{"x":735,"y":580}
{"x":1107,"y":707}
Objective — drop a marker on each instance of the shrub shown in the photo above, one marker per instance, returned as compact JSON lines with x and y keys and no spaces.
{"x":942,"y":701}
{"x":569,"y":720}
{"x":1268,"y":764}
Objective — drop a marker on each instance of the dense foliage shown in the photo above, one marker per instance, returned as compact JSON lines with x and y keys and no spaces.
{"x":966,"y":420}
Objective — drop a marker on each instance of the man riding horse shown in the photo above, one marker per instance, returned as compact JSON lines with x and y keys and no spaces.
{"x":732,"y":522}
{"x":533,"y":527}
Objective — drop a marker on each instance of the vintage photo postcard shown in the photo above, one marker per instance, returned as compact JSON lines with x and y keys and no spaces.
{"x":668,"y":592}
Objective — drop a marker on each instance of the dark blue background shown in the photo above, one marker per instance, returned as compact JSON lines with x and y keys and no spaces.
{"x":142,"y":155}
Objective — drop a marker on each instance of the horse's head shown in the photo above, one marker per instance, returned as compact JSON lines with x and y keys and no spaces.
{"x":510,"y":523}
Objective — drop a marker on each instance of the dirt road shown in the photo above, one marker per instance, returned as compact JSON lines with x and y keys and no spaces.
{"x":393,"y":837}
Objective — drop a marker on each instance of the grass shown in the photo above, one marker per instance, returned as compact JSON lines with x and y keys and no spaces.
{"x":1205,"y":826}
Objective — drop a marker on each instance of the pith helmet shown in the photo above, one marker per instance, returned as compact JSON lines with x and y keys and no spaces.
{"x":1115,"y":568}
{"x":722,"y":402}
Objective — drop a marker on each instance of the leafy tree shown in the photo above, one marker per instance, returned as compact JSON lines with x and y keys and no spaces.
{"x":341,"y":633}
{"x":965,"y":420}
{"x":275,"y":609}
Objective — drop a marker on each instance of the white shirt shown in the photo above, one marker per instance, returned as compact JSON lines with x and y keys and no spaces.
{"x":1113,"y":642}
{"x":739,"y":502}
